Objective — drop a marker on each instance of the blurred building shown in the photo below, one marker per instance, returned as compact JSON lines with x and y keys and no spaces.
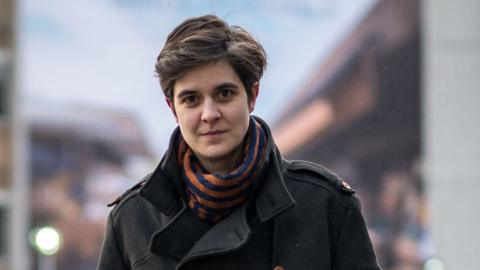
{"x":81,"y":158}
{"x":359,"y":115}
{"x":395,"y":111}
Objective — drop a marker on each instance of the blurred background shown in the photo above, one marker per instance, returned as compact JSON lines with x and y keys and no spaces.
{"x":383,"y":92}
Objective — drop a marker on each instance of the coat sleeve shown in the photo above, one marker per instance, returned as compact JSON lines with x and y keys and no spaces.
{"x":354,"y":247}
{"x":111,"y":257}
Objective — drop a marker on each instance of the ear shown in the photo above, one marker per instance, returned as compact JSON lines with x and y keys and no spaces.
{"x":172,"y":108}
{"x":254,"y":94}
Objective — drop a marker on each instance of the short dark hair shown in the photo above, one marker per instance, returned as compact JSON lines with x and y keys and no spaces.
{"x":204,"y":39}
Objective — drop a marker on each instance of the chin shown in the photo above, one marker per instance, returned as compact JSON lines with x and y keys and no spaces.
{"x":218,"y":152}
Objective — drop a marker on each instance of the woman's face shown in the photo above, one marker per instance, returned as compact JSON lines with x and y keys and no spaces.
{"x":212,"y":109}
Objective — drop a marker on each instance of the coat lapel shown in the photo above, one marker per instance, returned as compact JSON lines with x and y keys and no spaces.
{"x":181,"y":228}
{"x":229,"y":234}
{"x":176,"y":238}
{"x":273,"y":197}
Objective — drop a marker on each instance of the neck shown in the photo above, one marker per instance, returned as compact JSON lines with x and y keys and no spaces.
{"x":223,"y":165}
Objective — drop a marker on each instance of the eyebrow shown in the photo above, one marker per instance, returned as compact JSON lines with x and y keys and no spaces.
{"x":226,"y":85}
{"x":186,"y":92}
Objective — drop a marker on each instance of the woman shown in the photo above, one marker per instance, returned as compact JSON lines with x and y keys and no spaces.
{"x":222,"y":197}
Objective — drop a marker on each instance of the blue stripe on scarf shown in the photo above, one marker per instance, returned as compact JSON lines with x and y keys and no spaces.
{"x":208,"y":197}
{"x":212,"y":186}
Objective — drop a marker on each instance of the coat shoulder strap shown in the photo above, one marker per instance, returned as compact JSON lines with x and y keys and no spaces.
{"x":129,"y":191}
{"x":318,"y":171}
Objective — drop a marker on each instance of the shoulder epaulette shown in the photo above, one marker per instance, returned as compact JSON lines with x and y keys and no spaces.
{"x":310,"y":167}
{"x":130,"y":190}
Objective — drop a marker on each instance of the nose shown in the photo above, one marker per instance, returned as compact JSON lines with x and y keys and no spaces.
{"x":210,"y":111}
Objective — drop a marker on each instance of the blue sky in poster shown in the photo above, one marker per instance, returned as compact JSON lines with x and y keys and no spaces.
{"x":102,"y":52}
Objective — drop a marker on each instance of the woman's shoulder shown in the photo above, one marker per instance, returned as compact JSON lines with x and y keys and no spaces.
{"x":127,"y":195}
{"x":317,"y":178}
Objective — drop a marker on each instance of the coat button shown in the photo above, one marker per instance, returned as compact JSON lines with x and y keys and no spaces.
{"x":278,"y":267}
{"x":346,"y":185}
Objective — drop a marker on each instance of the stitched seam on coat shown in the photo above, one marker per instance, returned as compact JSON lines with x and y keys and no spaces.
{"x":116,"y":240}
{"x":142,"y":259}
{"x":339,"y":235}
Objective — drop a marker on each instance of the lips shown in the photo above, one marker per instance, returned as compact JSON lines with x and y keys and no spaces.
{"x":213,"y":133}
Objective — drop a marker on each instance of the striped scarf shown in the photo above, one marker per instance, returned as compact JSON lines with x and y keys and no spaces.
{"x":213,"y":196}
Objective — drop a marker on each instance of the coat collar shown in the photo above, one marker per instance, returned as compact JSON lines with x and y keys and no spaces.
{"x":165,"y":191}
{"x":273,"y":197}
{"x":164,"y":188}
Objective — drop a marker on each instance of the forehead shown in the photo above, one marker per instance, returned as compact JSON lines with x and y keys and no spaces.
{"x":207,"y":76}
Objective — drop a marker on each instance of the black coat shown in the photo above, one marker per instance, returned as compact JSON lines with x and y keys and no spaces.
{"x":305,"y":216}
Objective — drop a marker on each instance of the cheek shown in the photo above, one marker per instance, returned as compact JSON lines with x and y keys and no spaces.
{"x":240,"y":118}
{"x":187,"y":121}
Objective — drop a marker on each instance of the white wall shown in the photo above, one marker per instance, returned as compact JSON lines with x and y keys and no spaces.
{"x":451,"y":126}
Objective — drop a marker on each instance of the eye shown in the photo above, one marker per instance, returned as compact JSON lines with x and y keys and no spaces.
{"x":190,"y":99}
{"x":225,"y":93}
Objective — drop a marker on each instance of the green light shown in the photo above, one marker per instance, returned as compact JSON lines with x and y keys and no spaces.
{"x":47,"y":240}
{"x":433,"y":264}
